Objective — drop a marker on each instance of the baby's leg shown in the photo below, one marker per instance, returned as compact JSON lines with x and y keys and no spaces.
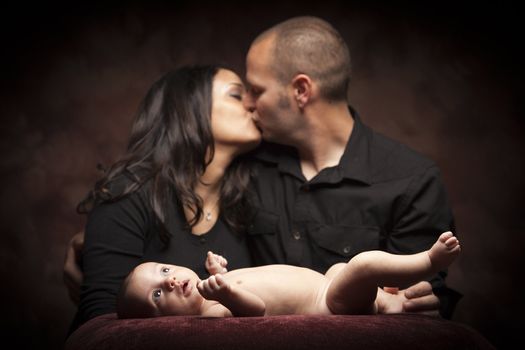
{"x":354,"y":289}
{"x":334,"y":270}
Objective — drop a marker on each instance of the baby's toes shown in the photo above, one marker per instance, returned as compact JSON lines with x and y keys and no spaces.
{"x":445,"y":236}
{"x":451,"y":242}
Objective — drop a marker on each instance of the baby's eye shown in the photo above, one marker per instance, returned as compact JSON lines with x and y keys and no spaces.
{"x":165,"y":270}
{"x":236,"y":96}
{"x":156,"y":295}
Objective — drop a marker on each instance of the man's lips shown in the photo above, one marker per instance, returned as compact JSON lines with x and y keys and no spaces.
{"x":256,"y":122}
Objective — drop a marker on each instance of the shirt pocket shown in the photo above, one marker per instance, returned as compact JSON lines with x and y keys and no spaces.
{"x":264,"y":223}
{"x":333,"y":244}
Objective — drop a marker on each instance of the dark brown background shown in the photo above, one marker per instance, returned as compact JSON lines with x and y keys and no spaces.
{"x":444,"y":80}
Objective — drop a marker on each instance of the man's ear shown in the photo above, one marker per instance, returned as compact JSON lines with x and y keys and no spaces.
{"x":302,"y":89}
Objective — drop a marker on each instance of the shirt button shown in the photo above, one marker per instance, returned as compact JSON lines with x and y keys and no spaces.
{"x":296,"y":235}
{"x":202,"y":240}
{"x":306,"y":188}
{"x":346,"y":249}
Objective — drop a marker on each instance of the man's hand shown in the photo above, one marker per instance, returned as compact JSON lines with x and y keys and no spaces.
{"x":214,"y":288}
{"x":421,"y":299}
{"x":215,"y":264}
{"x":72,"y":273}
{"x":418,"y":298}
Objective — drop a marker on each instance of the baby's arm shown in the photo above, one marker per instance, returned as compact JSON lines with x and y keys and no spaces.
{"x":240,"y":302}
{"x":215,"y":264}
{"x":216,"y":309}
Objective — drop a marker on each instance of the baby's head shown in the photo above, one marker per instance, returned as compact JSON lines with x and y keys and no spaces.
{"x":155,"y":289}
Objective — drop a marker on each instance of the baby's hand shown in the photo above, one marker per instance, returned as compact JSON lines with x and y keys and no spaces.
{"x":215,"y":264}
{"x":214,"y":288}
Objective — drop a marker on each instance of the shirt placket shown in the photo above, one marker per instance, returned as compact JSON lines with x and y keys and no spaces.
{"x":297,"y":237}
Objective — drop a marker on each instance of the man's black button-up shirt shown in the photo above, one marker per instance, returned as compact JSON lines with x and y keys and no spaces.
{"x":382,"y":195}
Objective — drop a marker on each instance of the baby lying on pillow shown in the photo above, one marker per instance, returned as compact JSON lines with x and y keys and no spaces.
{"x":156,"y":289}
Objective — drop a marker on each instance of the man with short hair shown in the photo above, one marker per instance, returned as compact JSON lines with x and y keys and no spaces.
{"x":328,"y":187}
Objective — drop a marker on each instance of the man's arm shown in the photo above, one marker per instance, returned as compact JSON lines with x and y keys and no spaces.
{"x":424,"y":213}
{"x":240,"y":302}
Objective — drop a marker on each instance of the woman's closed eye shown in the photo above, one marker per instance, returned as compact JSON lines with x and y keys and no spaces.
{"x":237,"y":96}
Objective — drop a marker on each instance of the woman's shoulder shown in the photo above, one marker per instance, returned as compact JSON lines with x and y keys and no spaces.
{"x":125,"y":192}
{"x":130,"y":210}
{"x":128,"y":182}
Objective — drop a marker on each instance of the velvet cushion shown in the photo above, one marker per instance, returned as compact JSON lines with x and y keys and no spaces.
{"x":401,"y":331}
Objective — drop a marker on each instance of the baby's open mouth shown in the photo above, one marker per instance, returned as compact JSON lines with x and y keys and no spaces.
{"x":186,"y":288}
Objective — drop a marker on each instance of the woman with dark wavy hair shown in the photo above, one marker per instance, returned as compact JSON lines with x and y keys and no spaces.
{"x":180,"y":190}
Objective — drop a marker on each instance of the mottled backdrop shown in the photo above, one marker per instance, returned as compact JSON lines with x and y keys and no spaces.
{"x":442,"y":79}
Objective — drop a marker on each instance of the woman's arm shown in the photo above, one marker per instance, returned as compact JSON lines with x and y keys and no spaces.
{"x":114,"y":245}
{"x":72,"y":274}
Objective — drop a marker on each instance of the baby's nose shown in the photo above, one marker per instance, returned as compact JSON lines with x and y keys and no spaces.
{"x":170,"y":282}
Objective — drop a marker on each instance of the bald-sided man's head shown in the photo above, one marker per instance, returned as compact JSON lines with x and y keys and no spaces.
{"x":311,"y":46}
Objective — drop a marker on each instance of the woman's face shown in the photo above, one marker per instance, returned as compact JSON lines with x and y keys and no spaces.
{"x":232,"y":125}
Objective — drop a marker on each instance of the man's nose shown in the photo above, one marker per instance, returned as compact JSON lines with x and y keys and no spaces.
{"x":248,"y":103}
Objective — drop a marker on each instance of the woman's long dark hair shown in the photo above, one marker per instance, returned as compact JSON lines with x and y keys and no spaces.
{"x":171,"y":144}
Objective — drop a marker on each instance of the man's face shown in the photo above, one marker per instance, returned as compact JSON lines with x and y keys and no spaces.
{"x":267,"y":96}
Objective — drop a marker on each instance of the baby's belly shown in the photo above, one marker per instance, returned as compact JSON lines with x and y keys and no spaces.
{"x":286,"y":290}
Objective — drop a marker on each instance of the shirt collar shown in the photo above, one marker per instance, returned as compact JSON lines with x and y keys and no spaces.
{"x":352,"y":166}
{"x":355,"y":159}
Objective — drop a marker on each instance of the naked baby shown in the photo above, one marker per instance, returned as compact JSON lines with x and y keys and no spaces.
{"x":156,"y":289}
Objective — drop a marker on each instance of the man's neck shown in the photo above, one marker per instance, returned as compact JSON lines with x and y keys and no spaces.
{"x":325,"y":138}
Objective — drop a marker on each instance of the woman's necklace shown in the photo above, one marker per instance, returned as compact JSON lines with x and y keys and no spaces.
{"x":208,"y":213}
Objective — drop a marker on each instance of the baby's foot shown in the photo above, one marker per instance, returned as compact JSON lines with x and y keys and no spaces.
{"x":444,"y":251}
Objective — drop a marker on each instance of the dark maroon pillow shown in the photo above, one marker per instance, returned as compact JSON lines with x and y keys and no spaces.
{"x":401,"y":331}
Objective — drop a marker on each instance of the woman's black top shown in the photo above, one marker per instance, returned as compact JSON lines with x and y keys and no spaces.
{"x":122,"y":234}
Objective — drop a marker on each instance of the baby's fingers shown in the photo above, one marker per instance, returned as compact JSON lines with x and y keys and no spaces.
{"x":201,"y":289}
{"x":212,"y":282}
{"x":210,"y":257}
{"x":221,"y":282}
{"x":204,"y":288}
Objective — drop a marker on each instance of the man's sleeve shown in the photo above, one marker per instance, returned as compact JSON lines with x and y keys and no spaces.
{"x":421,"y":216}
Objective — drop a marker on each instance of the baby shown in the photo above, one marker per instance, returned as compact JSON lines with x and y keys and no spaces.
{"x":155,"y":289}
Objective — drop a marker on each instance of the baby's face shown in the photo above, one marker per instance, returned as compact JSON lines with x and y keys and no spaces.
{"x":165,"y":289}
